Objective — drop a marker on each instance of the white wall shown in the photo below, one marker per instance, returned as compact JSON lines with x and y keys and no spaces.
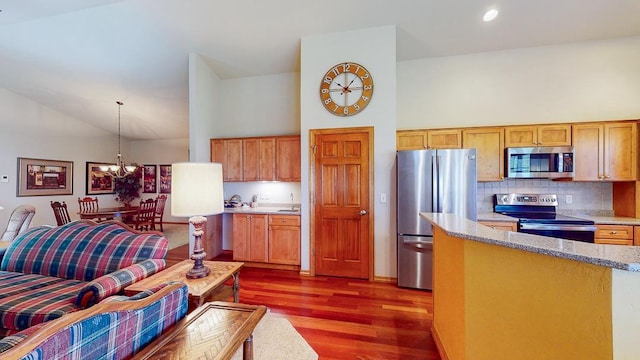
{"x":160,"y":152}
{"x":260,"y":106}
{"x":35,"y":131}
{"x":589,"y":81}
{"x":204,"y":107}
{"x":375,"y":49}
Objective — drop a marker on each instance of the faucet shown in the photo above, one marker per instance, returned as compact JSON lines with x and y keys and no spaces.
{"x":292,"y":206}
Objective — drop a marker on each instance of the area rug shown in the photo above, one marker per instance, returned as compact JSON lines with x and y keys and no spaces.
{"x":177,"y":234}
{"x":274,"y":338}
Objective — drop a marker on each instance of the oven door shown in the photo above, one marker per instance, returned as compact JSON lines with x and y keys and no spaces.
{"x":584,"y":233}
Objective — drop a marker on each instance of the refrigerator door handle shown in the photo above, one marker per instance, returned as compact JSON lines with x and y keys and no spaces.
{"x":418,"y":244}
{"x":435,"y":196}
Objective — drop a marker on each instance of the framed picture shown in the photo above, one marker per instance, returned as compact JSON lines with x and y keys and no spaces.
{"x":149,"y":179}
{"x":38,"y":177}
{"x":98,"y":181}
{"x":165,"y":179}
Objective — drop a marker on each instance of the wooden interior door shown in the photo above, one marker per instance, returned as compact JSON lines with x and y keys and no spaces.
{"x":342,"y":202}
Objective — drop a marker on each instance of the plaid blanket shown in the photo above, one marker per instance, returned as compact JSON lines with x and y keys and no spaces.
{"x":47,"y":272}
{"x":112,"y":334}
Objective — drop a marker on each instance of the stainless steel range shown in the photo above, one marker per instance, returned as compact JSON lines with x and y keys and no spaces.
{"x":536,"y":214}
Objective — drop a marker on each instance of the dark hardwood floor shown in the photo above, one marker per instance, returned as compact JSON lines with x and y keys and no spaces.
{"x":342,"y":318}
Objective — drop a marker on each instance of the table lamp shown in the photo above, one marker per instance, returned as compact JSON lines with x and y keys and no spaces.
{"x":196,"y":191}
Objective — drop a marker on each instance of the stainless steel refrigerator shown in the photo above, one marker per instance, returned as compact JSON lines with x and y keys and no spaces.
{"x":430,"y":181}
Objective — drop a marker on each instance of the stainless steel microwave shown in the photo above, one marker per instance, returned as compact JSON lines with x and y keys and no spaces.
{"x":540,"y":162}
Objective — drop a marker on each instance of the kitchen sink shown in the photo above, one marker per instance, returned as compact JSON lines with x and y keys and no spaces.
{"x":287,"y":210}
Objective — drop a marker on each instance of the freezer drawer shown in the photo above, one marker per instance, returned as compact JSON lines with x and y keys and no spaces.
{"x":415,"y":258}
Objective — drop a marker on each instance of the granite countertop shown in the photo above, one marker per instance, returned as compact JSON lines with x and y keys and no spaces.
{"x":262,"y":210}
{"x":609,"y":220}
{"x":491,"y":216}
{"x":613,"y":256}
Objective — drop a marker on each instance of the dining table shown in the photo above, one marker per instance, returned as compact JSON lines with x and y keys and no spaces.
{"x":123,"y":213}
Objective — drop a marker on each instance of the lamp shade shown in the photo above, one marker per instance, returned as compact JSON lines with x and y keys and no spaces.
{"x":196,"y":189}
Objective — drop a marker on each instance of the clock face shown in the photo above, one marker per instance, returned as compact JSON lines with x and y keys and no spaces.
{"x":346,"y":89}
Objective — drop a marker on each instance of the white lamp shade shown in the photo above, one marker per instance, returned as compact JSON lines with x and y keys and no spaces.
{"x":196,"y":189}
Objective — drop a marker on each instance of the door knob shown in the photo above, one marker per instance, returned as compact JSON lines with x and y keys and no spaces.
{"x":363,"y":212}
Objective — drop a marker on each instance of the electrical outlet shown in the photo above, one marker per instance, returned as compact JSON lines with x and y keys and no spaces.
{"x":569,"y":199}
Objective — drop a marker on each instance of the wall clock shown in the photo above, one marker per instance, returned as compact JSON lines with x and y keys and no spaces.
{"x":346,"y":89}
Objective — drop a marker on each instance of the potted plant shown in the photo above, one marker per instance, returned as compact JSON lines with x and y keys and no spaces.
{"x":127,"y":187}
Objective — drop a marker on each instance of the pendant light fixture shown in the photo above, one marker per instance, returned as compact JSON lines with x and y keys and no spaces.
{"x":119,"y":169}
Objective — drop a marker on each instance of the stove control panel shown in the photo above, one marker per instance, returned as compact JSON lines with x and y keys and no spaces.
{"x":527,"y":199}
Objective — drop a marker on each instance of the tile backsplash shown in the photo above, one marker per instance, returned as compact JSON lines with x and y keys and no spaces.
{"x":594,"y":198}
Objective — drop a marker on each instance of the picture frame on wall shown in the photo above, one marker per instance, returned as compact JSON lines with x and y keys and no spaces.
{"x":99,"y":181}
{"x":41,"y":177}
{"x":149,"y":179}
{"x":165,"y":179}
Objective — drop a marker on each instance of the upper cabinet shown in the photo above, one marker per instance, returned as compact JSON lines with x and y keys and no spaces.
{"x":429,"y":139}
{"x":259,"y":159}
{"x":605,"y":151}
{"x":288,"y":158}
{"x":538,"y":135}
{"x":265,"y":158}
{"x":228,"y":152}
{"x":489,"y":145}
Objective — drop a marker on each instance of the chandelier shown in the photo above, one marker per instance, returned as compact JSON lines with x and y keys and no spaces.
{"x":119,"y":169}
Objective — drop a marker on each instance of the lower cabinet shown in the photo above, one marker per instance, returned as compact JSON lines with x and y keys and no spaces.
{"x":250,"y":237}
{"x":501,"y":225}
{"x":273,"y":239}
{"x":614,"y":234}
{"x":284,"y":239}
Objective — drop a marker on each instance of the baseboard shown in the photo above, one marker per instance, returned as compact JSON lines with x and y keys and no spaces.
{"x":272,"y":266}
{"x":438,"y":342}
{"x":385,"y":279}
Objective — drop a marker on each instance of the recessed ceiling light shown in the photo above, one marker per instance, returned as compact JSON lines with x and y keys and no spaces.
{"x":490,"y":15}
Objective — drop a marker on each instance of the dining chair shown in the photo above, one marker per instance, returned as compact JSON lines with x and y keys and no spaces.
{"x":61,"y":212}
{"x":18,"y":222}
{"x":161,"y":200}
{"x":144,"y":218}
{"x":88,"y":204}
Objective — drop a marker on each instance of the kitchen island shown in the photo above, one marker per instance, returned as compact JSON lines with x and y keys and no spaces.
{"x":507,"y":295}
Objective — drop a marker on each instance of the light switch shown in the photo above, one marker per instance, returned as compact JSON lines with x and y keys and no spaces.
{"x":569,"y":199}
{"x":4,"y":178}
{"x":383,"y":198}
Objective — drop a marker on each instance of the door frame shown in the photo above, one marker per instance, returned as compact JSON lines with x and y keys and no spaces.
{"x":312,"y":193}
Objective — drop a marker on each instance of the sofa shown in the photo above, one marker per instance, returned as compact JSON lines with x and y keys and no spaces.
{"x":116,"y":328}
{"x":48,"y":272}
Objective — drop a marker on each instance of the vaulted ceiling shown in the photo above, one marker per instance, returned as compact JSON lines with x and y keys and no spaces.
{"x":80,"y":56}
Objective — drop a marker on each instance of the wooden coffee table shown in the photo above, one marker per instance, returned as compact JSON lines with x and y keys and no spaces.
{"x":200,"y":290}
{"x":214,"y":331}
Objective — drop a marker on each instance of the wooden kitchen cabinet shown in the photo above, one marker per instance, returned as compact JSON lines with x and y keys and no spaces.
{"x":538,"y":135}
{"x":605,"y":151}
{"x":288,"y":165}
{"x":501,"y":225}
{"x":259,"y":159}
{"x":428,"y":139}
{"x":614,"y":234}
{"x":250,"y":240}
{"x":284,"y":239}
{"x":489,"y":145}
{"x":228,"y":152}
{"x":265,"y":158}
